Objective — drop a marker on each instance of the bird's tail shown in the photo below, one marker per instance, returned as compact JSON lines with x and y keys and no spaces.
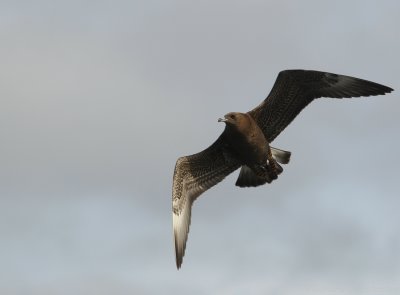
{"x":256,"y":176}
{"x":247,"y":177}
{"x":280,"y":156}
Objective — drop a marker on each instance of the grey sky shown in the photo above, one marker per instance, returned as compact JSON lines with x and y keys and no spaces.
{"x":98,"y":99}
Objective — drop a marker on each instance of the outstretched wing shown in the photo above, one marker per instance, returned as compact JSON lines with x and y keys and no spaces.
{"x":194,"y":175}
{"x":295,"y":89}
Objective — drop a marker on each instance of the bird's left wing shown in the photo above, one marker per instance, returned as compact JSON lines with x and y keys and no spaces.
{"x":295,"y":89}
{"x":194,"y":175}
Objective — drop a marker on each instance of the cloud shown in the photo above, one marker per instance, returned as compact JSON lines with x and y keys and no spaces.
{"x":98,"y":101}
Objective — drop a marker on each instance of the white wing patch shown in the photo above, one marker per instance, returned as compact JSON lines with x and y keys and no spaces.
{"x":194,"y":175}
{"x":181,"y":223}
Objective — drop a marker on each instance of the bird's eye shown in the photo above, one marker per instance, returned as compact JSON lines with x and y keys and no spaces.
{"x":233,"y":116}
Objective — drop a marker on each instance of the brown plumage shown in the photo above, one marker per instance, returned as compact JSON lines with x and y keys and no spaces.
{"x":245,"y":141}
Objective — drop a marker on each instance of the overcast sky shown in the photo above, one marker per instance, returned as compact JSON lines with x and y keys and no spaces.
{"x":98,"y":99}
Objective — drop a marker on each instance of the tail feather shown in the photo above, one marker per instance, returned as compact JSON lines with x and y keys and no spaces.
{"x":256,"y":176}
{"x":281,"y":156}
{"x":248,"y":178}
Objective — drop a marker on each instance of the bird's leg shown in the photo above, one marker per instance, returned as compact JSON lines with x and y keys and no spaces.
{"x":267,"y":171}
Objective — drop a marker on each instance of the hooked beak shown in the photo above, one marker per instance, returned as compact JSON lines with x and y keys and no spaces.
{"x":222,"y":120}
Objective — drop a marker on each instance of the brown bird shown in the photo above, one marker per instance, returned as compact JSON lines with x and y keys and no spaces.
{"x":245,"y":141}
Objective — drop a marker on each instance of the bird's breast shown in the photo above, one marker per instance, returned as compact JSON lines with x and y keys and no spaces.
{"x":250,"y":148}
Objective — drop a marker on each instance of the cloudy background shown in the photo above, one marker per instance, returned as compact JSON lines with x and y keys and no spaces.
{"x":98,"y":99}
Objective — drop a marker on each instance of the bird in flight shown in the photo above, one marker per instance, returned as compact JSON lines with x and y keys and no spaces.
{"x":245,"y":141}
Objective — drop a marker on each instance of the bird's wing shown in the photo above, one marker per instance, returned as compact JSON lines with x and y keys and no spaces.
{"x":194,"y":175}
{"x":295,"y":89}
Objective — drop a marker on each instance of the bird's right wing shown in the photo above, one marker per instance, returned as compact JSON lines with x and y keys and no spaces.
{"x":194,"y":175}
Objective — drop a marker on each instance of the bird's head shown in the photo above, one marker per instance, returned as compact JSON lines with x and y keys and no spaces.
{"x":233,"y":118}
{"x":238,"y":122}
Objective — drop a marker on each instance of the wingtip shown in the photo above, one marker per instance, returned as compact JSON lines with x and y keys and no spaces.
{"x":384,"y":89}
{"x":178,"y":265}
{"x":389,"y":90}
{"x":180,"y":245}
{"x":178,"y":256}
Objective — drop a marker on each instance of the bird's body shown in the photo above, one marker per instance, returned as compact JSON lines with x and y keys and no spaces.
{"x":245,"y":141}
